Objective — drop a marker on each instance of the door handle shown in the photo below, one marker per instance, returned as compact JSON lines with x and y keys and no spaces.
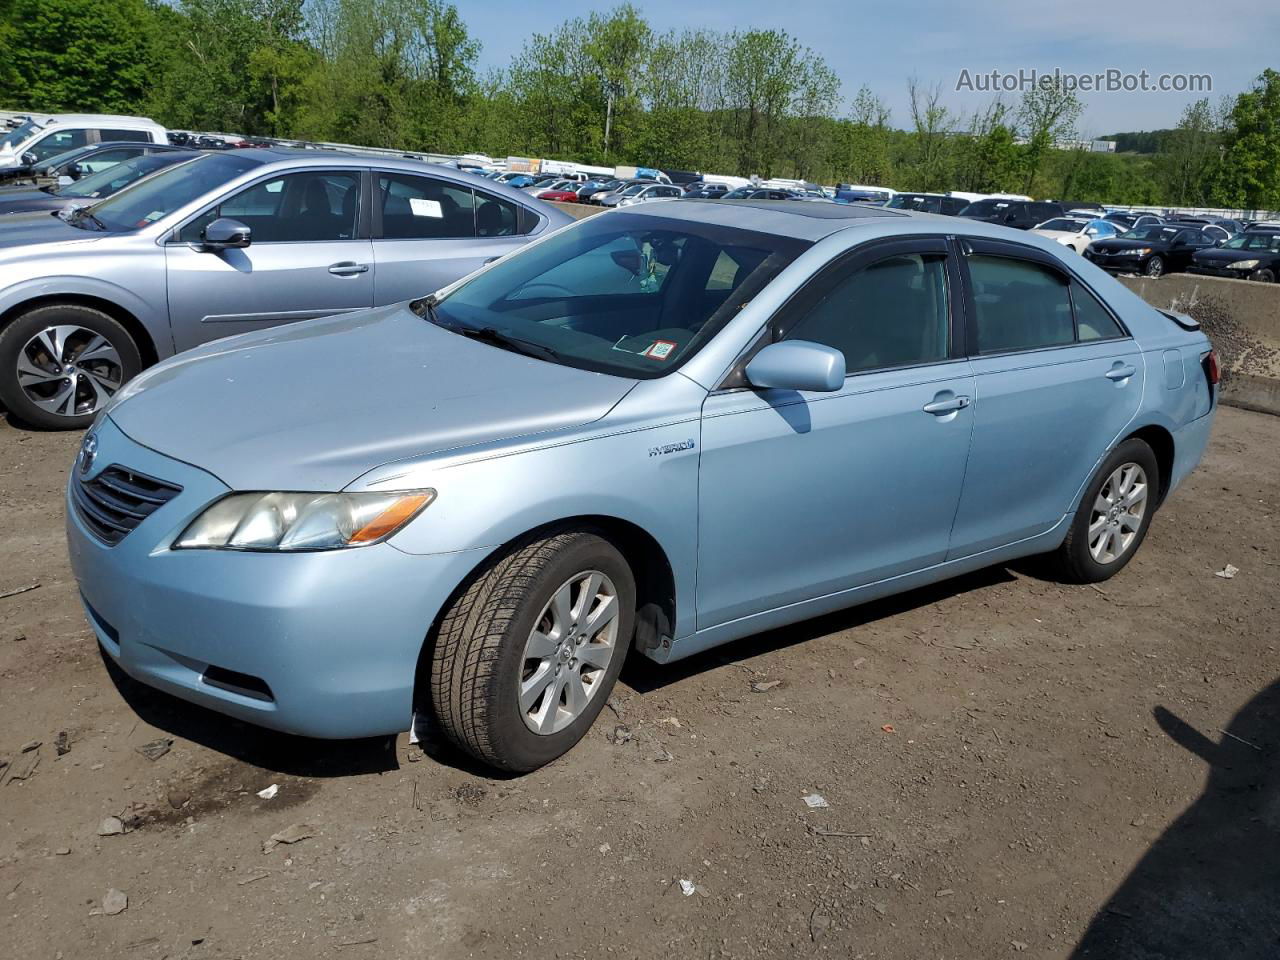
{"x":348,"y":268}
{"x":1121,"y":371}
{"x":947,"y":405}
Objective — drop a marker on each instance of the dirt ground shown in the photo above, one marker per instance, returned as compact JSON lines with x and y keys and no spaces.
{"x":1009,"y":767}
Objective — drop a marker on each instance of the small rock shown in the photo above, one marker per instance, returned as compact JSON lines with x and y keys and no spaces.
{"x":819,"y":923}
{"x":1018,"y":945}
{"x":19,"y":638}
{"x":815,"y":801}
{"x":664,"y":756}
{"x":62,"y":851}
{"x":1228,"y":572}
{"x":24,"y":768}
{"x":178,"y":799}
{"x":621,"y":734}
{"x":269,"y":792}
{"x":859,"y":662}
{"x":115,"y":901}
{"x":764,"y":686}
{"x":688,"y":888}
{"x":948,"y":892}
{"x":414,"y":756}
{"x":62,"y":744}
{"x":31,"y":745}
{"x":880,"y":908}
{"x":111,"y":827}
{"x":831,"y":673}
{"x":605,"y":848}
{"x":293,"y":833}
{"x":155,"y":749}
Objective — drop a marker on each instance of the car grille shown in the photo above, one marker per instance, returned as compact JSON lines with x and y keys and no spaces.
{"x":117,"y":500}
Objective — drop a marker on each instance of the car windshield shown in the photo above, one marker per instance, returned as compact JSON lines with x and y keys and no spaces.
{"x":740,"y":194}
{"x":1151,"y":232}
{"x":169,"y":190}
{"x":632,"y":190}
{"x":1254,"y":241}
{"x":59,"y":159}
{"x":1063,"y":223}
{"x":623,"y":294}
{"x":19,"y":133}
{"x":119,"y":175}
{"x":984,"y":208}
{"x":903,"y":200}
{"x":1096,"y":227}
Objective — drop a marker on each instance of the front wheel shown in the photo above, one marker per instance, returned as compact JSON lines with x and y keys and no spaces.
{"x":1113,"y":516}
{"x":1155,"y":267}
{"x":526,"y":656}
{"x":1263,"y":276}
{"x":59,"y":364}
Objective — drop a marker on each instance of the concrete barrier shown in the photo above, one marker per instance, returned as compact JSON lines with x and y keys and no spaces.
{"x":1241,"y":317}
{"x":579,"y":211}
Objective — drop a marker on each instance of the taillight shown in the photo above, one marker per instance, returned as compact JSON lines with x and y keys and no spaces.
{"x":1209,"y":362}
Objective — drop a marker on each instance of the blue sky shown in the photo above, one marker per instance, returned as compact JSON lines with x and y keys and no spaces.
{"x":883,"y":44}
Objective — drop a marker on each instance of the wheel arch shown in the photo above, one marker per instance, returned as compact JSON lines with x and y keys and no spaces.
{"x":1160,"y":440}
{"x":137,"y":330}
{"x":649,"y":562}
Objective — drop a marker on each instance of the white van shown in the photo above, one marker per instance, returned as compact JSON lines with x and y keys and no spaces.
{"x":42,"y":136}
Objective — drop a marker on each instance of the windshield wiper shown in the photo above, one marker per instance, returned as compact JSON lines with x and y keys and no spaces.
{"x":426,"y":307}
{"x":73,"y":215}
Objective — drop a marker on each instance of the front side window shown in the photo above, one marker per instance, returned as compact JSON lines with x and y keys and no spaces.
{"x":893,"y":313}
{"x":628,"y":295}
{"x":169,"y":191}
{"x":57,"y":142}
{"x":1018,"y":305}
{"x":417,"y":208}
{"x":314,"y":206}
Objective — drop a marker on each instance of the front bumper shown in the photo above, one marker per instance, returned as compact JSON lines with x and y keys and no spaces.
{"x":333,"y":638}
{"x":1117,"y":264}
{"x":1220,"y":272}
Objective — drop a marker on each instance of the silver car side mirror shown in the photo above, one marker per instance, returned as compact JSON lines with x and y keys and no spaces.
{"x":226,"y":234}
{"x":797,"y":365}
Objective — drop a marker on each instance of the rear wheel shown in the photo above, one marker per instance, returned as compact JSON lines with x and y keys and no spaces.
{"x":1155,"y":266}
{"x":526,"y":656}
{"x":59,"y":364}
{"x":1113,"y":516}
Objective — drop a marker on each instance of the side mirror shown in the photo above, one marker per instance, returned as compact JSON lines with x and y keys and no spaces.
{"x":65,"y":181}
{"x":797,"y":365}
{"x":29,"y":159}
{"x":226,"y":234}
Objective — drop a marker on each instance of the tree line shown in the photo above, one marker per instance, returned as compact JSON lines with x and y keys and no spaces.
{"x":605,"y":88}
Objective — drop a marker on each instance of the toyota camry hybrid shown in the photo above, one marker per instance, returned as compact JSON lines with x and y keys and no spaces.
{"x":654,"y":431}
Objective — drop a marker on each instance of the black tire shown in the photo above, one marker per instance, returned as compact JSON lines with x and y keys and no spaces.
{"x":1263,"y":276}
{"x":19,"y":332}
{"x":1074,"y":560}
{"x":1155,"y":266}
{"x":479,"y":648}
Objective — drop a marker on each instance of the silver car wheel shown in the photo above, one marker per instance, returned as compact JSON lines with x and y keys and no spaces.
{"x":1117,"y":513}
{"x":69,"y":370}
{"x":568,"y":652}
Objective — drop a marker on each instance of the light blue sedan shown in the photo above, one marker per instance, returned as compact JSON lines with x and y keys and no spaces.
{"x":661,"y":429}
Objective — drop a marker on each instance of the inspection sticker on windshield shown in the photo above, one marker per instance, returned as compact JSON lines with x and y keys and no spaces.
{"x":659,"y":349}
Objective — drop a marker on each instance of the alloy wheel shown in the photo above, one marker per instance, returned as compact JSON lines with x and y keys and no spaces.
{"x":69,"y":370}
{"x":1117,"y":513}
{"x":568,"y":652}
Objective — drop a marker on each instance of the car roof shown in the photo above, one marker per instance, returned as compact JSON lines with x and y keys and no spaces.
{"x":785,"y":218}
{"x":116,"y":118}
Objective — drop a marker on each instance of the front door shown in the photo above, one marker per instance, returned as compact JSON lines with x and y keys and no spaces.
{"x":807,"y":494}
{"x":306,"y":259}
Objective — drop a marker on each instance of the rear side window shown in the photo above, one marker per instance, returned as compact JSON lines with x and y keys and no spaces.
{"x":497,"y":216}
{"x":139,"y":135}
{"x":419,"y":208}
{"x":892,"y":313}
{"x":1093,"y":322}
{"x":1018,"y":305}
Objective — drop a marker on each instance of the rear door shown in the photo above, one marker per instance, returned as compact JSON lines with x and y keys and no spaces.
{"x":429,"y":232}
{"x":1057,"y":381}
{"x":807,"y":494}
{"x":310,"y":256}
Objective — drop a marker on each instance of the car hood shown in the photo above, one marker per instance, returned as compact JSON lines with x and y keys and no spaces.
{"x":316,"y":404}
{"x":11,"y":204}
{"x":1114,"y":246}
{"x":42,"y":227}
{"x":1057,"y":234}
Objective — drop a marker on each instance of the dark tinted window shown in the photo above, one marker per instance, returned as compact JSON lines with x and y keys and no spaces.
{"x":170,"y":190}
{"x":1093,"y":322}
{"x":108,"y":135}
{"x":416,"y":208}
{"x":892,"y":313}
{"x":497,"y":216}
{"x":1018,"y":305}
{"x":313,"y":206}
{"x":57,"y":142}
{"x":1043,"y":211}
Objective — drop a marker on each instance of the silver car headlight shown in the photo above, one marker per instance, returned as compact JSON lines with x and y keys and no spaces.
{"x":302,"y":521}
{"x":1243,"y":264}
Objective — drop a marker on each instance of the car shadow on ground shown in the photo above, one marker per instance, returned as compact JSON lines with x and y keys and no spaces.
{"x":267,"y":749}
{"x":1209,"y":887}
{"x":644,"y":675}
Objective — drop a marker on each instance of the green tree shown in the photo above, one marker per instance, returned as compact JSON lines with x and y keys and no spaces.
{"x":987,"y":159}
{"x":75,"y":55}
{"x":1251,"y":163}
{"x":1047,"y":113}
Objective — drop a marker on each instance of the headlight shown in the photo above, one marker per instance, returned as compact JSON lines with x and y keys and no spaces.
{"x":302,"y":521}
{"x":1243,"y":265}
{"x":1137,"y":252}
